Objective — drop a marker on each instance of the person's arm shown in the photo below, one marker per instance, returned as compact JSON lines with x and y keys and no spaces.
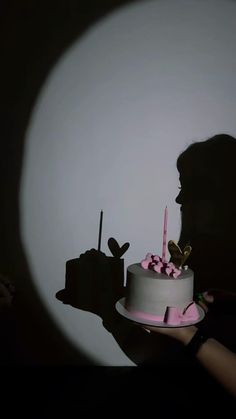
{"x":218,"y":360}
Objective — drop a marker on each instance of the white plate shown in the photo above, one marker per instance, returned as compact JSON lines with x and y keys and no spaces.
{"x":120,"y":307}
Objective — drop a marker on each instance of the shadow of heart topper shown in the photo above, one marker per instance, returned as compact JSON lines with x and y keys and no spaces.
{"x":116,"y":250}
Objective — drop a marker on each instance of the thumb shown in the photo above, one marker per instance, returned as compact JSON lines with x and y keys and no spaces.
{"x":208,"y":296}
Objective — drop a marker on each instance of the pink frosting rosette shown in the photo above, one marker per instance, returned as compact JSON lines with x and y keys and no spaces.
{"x":155,"y":263}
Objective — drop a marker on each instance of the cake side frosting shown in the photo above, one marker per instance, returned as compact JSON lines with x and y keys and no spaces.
{"x":156,"y":296}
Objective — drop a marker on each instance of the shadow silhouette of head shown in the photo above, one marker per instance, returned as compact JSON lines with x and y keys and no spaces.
{"x":207,"y":173}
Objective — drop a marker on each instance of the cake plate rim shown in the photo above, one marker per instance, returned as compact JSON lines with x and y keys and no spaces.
{"x":125,"y":313}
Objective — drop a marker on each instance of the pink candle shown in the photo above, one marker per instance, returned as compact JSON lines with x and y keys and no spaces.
{"x":164,"y":236}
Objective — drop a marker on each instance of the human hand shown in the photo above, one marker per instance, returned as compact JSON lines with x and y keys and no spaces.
{"x":218,"y":299}
{"x":182,"y":334}
{"x":204,"y":299}
{"x":221,"y":300}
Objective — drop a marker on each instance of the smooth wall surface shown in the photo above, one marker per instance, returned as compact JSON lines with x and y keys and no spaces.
{"x":105,"y":133}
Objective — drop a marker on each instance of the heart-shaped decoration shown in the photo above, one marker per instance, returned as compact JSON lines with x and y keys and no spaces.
{"x":186,"y":252}
{"x":178,"y":257}
{"x":115,"y":249}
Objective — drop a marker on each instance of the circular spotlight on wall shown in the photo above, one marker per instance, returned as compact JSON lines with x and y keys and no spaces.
{"x":113,"y":115}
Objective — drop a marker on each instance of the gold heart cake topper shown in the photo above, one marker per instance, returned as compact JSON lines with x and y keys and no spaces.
{"x":178,"y":257}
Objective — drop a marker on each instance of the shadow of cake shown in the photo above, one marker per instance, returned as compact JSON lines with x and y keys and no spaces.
{"x":95,"y":281}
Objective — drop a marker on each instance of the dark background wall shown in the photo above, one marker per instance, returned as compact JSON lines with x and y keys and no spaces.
{"x":33,"y":35}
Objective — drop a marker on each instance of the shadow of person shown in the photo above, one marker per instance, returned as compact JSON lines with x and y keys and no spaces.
{"x":95,"y":282}
{"x":207,"y":174}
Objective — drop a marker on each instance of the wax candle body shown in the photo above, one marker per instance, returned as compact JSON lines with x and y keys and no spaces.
{"x":164,"y":236}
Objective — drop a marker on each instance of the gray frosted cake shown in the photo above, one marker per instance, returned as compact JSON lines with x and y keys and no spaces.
{"x":161,"y":291}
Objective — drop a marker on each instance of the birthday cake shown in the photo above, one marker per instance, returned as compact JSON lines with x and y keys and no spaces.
{"x":161,"y":291}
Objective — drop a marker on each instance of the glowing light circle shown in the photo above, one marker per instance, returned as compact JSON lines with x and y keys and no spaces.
{"x":108,"y":125}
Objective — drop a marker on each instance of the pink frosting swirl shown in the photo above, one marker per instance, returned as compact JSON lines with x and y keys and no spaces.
{"x":154,"y":263}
